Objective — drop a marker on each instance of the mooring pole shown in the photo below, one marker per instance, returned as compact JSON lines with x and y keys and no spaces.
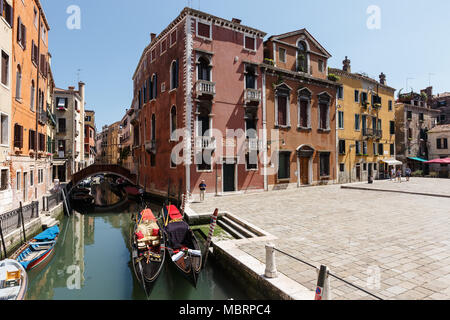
{"x":23,"y":223}
{"x":212,"y":226}
{"x":3,"y":239}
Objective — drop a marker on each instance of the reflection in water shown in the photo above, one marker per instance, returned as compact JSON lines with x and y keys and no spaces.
{"x":92,"y":261}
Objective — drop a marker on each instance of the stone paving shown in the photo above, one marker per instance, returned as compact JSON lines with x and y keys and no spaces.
{"x":401,"y":239}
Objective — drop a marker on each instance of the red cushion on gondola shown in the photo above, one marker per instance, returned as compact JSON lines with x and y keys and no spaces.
{"x":139,"y":235}
{"x":147,"y":215}
{"x":174,"y":213}
{"x":155,"y":232}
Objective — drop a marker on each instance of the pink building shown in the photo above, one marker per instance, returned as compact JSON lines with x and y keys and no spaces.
{"x":196,"y":82}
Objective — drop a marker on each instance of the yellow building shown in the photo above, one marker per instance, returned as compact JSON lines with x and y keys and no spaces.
{"x":365,"y":122}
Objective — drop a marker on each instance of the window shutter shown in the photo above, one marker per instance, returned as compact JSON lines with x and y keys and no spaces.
{"x":24,"y":37}
{"x":445,"y":143}
{"x":32,"y":50}
{"x":155,"y":89}
{"x":438,"y":143}
{"x":176,"y":74}
{"x":19,"y":30}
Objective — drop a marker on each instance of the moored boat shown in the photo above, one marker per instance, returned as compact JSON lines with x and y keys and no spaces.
{"x":39,"y":250}
{"x":182,"y":245}
{"x":147,"y":243}
{"x":13,"y":280}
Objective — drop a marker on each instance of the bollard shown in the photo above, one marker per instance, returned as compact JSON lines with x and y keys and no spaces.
{"x":323,"y":285}
{"x":271,"y":268}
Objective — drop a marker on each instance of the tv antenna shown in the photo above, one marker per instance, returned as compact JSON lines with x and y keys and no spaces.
{"x":78,"y":75}
{"x":429,"y":78}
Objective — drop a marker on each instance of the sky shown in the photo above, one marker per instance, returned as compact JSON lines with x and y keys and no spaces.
{"x":405,"y":39}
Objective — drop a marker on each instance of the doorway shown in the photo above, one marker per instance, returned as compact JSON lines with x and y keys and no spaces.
{"x":304,"y":171}
{"x":358,"y":172}
{"x":229,"y":177}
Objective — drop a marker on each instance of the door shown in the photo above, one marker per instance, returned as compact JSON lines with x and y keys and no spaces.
{"x":358,"y":172}
{"x":229,"y":183}
{"x":25,"y":186}
{"x":370,"y":170}
{"x":304,"y":171}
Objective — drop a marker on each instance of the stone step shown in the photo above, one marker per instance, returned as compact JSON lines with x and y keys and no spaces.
{"x":238,"y":227}
{"x":230,"y":229}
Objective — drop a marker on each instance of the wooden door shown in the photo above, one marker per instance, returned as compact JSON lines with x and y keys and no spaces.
{"x":304,"y":171}
{"x":229,"y":171}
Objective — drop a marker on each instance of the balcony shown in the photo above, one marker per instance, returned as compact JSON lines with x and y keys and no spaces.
{"x":206,"y":89}
{"x":372,"y":133}
{"x":208,"y":143}
{"x":150,"y":146}
{"x":252,"y":96}
{"x":135,"y":117}
{"x":42,"y":117}
{"x":252,"y":144}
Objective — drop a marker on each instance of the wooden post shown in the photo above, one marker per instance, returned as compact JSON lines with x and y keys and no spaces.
{"x":212,"y":226}
{"x":23,"y":223}
{"x":3,"y":239}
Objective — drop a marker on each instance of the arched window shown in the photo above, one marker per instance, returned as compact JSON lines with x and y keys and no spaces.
{"x":250,"y":77}
{"x":174,"y":75}
{"x":302,"y":56}
{"x":19,"y":82}
{"x":173,"y":123}
{"x":204,"y":69}
{"x":33,"y":93}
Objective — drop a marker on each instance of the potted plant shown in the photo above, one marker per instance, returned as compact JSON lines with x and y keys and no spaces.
{"x":333,"y":77}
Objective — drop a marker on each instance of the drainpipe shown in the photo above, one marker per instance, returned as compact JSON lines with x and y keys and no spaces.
{"x":263,"y":71}
{"x":37,"y":100}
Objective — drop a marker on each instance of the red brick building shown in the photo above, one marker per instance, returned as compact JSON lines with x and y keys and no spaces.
{"x":195,"y":80}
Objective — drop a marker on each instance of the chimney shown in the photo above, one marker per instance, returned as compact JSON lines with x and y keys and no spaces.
{"x":71,"y":88}
{"x":236,"y":20}
{"x":346,"y":64}
{"x":383,"y":78}
{"x":152,"y":36}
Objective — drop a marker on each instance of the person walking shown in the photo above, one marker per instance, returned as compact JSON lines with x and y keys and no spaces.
{"x":399,"y":175}
{"x":393,"y":174}
{"x":202,"y":188}
{"x":408,"y":174}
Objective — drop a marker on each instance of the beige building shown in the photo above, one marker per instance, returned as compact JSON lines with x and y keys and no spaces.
{"x":126,"y":141}
{"x":438,"y":141}
{"x":89,"y":137}
{"x":109,"y":140}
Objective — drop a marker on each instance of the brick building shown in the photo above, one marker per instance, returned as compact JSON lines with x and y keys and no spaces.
{"x":89,"y":137}
{"x":199,"y":74}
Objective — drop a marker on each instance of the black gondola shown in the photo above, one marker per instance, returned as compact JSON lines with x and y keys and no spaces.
{"x":147,"y":243}
{"x":182,"y":245}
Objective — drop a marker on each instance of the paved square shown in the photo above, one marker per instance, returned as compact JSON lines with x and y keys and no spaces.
{"x":362,"y":236}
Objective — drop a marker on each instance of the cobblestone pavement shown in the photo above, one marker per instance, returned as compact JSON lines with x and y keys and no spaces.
{"x":357,"y":234}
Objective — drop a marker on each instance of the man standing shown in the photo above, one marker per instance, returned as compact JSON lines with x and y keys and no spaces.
{"x":408,"y":173}
{"x":202,"y":188}
{"x":393,"y":174}
{"x":399,"y":175}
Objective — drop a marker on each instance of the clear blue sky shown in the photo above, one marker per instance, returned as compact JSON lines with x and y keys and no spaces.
{"x":411,"y":43}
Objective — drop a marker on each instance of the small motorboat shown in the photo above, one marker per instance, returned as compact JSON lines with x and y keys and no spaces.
{"x":13,"y":280}
{"x":182,"y":245}
{"x":39,"y":250}
{"x":147,"y":249}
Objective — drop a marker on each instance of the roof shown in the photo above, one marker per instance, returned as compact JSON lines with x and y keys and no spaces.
{"x":440,"y":128}
{"x":359,"y":76}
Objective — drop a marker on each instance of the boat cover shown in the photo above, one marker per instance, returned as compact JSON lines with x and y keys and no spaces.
{"x":179,"y":235}
{"x":174,"y":213}
{"x":147,"y":215}
{"x":48,"y":235}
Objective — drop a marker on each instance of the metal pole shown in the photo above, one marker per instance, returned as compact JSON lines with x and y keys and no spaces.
{"x":210,"y":235}
{"x":23,"y":223}
{"x":3,"y":240}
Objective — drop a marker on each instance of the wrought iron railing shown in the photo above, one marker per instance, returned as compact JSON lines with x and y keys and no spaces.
{"x":11,"y":220}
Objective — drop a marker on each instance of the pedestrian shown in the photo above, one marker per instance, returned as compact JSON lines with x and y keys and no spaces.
{"x":408,"y":173}
{"x":202,"y":188}
{"x":393,"y":174}
{"x":399,"y":175}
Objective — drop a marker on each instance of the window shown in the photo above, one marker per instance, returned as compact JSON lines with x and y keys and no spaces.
{"x":41,"y":141}
{"x":21,"y":33}
{"x":6,"y":12}
{"x":33,"y":93}
{"x":390,"y":105}
{"x":61,"y":125}
{"x":302,"y":57}
{"x":163,"y":46}
{"x":4,"y":179}
{"x":154,"y":86}
{"x":365,"y":148}
{"x":392,"y":149}
{"x":18,"y":83}
{"x":40,"y":176}
{"x":392,"y":127}
{"x":357,"y":96}
{"x":321,"y":66}
{"x":4,"y":129}
{"x":341,"y":119}
{"x":204,"y":69}
{"x":324,"y":164}
{"x":341,"y":146}
{"x":421,"y":118}
{"x":409,"y":115}
{"x":340,"y":93}
{"x":304,"y":109}
{"x":375,"y":148}
{"x":341,"y":167}
{"x":32,"y":139}
{"x":153,"y":129}
{"x":18,"y":180}
{"x":249,"y":43}
{"x":442,"y":143}
{"x":173,"y":38}
{"x":153,"y":55}
{"x":250,"y":77}
{"x":281,"y":108}
{"x":357,"y":122}
{"x":5,"y":69}
{"x":174,"y":75}
{"x":203,"y":30}
{"x":410,"y":133}
{"x":35,"y":19}
{"x":61,"y":103}
{"x":251,"y":161}
{"x":364,"y":166}
{"x":358,"y":147}
{"x":173,"y":123}
{"x":284,"y":164}
{"x":31,"y":178}
{"x":282,"y":55}
{"x":34,"y":53}
{"x":324,"y":112}
{"x":18,"y":136}
{"x":363,"y":97}
{"x":381,"y":149}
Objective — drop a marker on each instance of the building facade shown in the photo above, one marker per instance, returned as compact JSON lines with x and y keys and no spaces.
{"x":439,"y":138}
{"x":126,"y":142}
{"x":365,"y":122}
{"x":193,"y":76}
{"x":299,"y":111}
{"x":414,"y":118}
{"x":70,"y":131}
{"x":89,"y":138}
{"x":31,"y":171}
{"x":441,"y":102}
{"x":6,"y":23}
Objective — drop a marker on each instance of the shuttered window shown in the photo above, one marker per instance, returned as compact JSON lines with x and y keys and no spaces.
{"x":32,"y":139}
{"x":5,"y":69}
{"x":18,"y":136}
{"x":204,"y":30}
{"x":282,"y":110}
{"x":324,"y":164}
{"x":250,"y":43}
{"x":304,"y":114}
{"x":6,"y":12}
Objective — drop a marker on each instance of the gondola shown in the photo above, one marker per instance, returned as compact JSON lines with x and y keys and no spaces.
{"x":182,"y":245}
{"x":147,"y":243}
{"x":39,"y":250}
{"x":13,"y":280}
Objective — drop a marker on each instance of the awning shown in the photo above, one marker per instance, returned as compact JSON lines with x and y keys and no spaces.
{"x":59,"y":162}
{"x":417,"y":159}
{"x":392,"y":162}
{"x":440,"y":161}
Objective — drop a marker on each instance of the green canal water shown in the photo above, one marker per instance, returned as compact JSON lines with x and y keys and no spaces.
{"x":92,"y":262}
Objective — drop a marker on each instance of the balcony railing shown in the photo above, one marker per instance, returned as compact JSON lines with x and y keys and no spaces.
{"x":150,"y":146}
{"x":205,"y":143}
{"x":252,"y":96}
{"x":372,"y":133}
{"x":205,"y":88}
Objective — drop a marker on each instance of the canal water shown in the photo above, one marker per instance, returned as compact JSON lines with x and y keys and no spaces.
{"x":93,"y":262}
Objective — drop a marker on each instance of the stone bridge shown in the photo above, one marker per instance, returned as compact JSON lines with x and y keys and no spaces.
{"x":103,"y":169}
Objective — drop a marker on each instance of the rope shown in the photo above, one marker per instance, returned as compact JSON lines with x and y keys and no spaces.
{"x":329,"y":273}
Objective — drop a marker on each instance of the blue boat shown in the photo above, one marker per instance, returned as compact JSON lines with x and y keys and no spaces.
{"x":39,"y":250}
